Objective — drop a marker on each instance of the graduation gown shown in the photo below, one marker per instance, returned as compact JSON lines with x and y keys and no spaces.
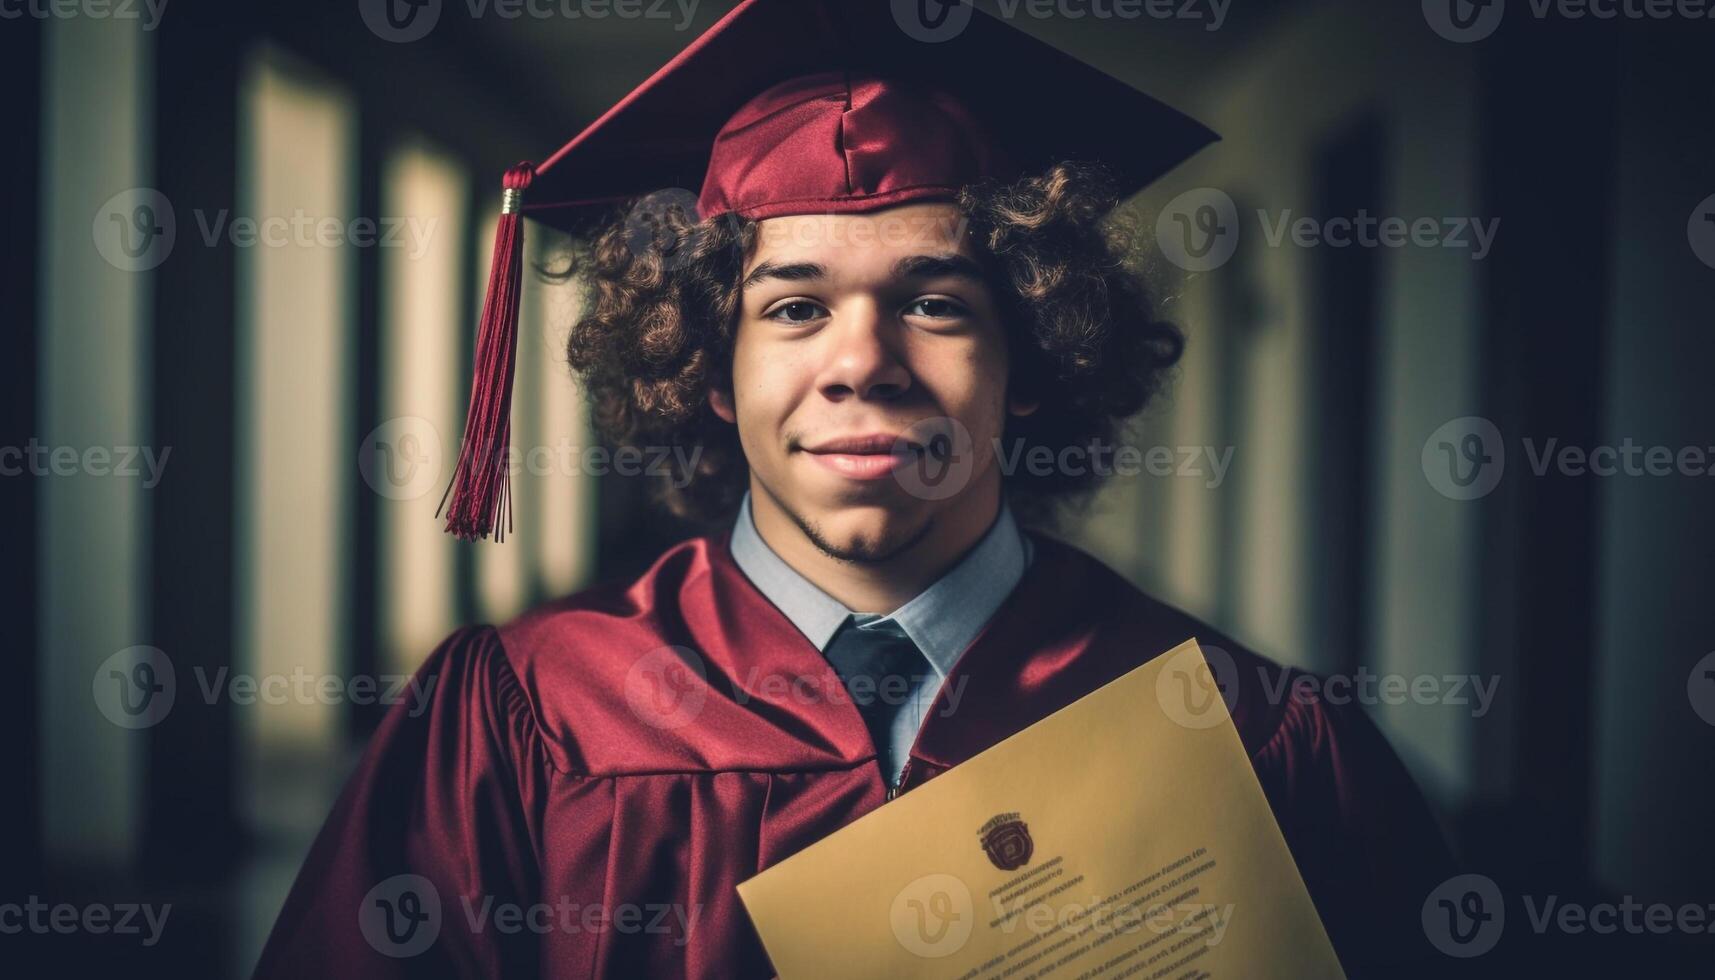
{"x":567,"y":834}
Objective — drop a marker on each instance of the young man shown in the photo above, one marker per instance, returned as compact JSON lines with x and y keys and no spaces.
{"x":894,"y":277}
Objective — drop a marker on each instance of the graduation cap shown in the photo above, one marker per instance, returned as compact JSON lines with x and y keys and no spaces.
{"x":808,"y":107}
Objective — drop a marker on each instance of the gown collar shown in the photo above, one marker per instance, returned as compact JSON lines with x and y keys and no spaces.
{"x":1022,"y":665}
{"x":942,"y":620}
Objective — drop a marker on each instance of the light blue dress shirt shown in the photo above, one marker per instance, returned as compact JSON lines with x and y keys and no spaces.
{"x":942,"y":620}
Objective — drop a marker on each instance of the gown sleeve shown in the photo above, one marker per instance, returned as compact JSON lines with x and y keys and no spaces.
{"x":435,"y":826}
{"x":1364,"y":837}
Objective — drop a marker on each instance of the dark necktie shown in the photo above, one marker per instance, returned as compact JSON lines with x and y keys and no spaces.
{"x":881,"y":669}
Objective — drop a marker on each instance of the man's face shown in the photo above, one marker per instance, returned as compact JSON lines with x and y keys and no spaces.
{"x":866,"y":345}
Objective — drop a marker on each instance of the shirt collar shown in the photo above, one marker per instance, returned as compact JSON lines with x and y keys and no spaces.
{"x":942,"y":620}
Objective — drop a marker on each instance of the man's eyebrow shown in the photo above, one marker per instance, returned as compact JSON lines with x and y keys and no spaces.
{"x":792,"y":271}
{"x":938,"y":266}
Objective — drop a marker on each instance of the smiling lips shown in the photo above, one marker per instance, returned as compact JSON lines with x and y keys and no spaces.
{"x":866,"y":457}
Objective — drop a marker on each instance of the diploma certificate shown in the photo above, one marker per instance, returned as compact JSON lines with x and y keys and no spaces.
{"x":1125,"y":835}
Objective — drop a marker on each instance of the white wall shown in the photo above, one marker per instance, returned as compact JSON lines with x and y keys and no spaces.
{"x":423,"y":325}
{"x":296,"y":338}
{"x":93,"y":531}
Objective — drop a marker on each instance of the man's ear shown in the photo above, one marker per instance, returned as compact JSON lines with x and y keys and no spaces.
{"x":721,"y":402}
{"x":1017,"y":405}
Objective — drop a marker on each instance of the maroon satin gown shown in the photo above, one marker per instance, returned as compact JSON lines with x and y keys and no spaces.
{"x":532,"y":781}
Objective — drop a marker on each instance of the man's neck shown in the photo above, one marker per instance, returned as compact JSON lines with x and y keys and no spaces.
{"x":878,"y":586}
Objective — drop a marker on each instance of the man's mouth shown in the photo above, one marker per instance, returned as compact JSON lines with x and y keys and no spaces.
{"x":868,"y":456}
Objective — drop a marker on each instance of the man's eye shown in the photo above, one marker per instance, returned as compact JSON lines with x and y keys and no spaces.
{"x":935,"y":308}
{"x":797,"y":311}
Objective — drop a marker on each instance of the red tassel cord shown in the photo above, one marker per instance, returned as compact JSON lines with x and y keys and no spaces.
{"x":481,"y":490}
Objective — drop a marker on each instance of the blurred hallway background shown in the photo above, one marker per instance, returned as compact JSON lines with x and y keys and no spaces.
{"x":245,"y":247}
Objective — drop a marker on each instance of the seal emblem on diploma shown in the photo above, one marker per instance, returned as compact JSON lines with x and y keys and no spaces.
{"x":1006,"y":840}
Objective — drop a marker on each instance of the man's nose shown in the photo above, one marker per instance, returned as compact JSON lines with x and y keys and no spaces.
{"x":864,"y":358}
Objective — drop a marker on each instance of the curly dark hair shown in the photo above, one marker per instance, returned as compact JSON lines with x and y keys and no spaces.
{"x":660,"y":316}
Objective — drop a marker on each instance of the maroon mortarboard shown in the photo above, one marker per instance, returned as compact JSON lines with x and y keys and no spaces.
{"x":808,"y":107}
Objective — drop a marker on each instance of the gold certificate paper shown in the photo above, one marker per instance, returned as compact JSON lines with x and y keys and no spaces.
{"x":1125,"y":835}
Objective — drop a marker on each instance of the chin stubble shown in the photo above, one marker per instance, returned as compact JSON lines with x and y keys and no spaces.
{"x":861,"y":553}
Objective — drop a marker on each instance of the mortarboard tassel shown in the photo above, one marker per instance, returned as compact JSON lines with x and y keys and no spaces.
{"x":481,"y":489}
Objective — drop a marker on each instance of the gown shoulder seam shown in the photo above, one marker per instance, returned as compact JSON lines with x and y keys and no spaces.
{"x":513,"y":688}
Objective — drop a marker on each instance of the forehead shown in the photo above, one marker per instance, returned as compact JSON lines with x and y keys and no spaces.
{"x":874,"y":240}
